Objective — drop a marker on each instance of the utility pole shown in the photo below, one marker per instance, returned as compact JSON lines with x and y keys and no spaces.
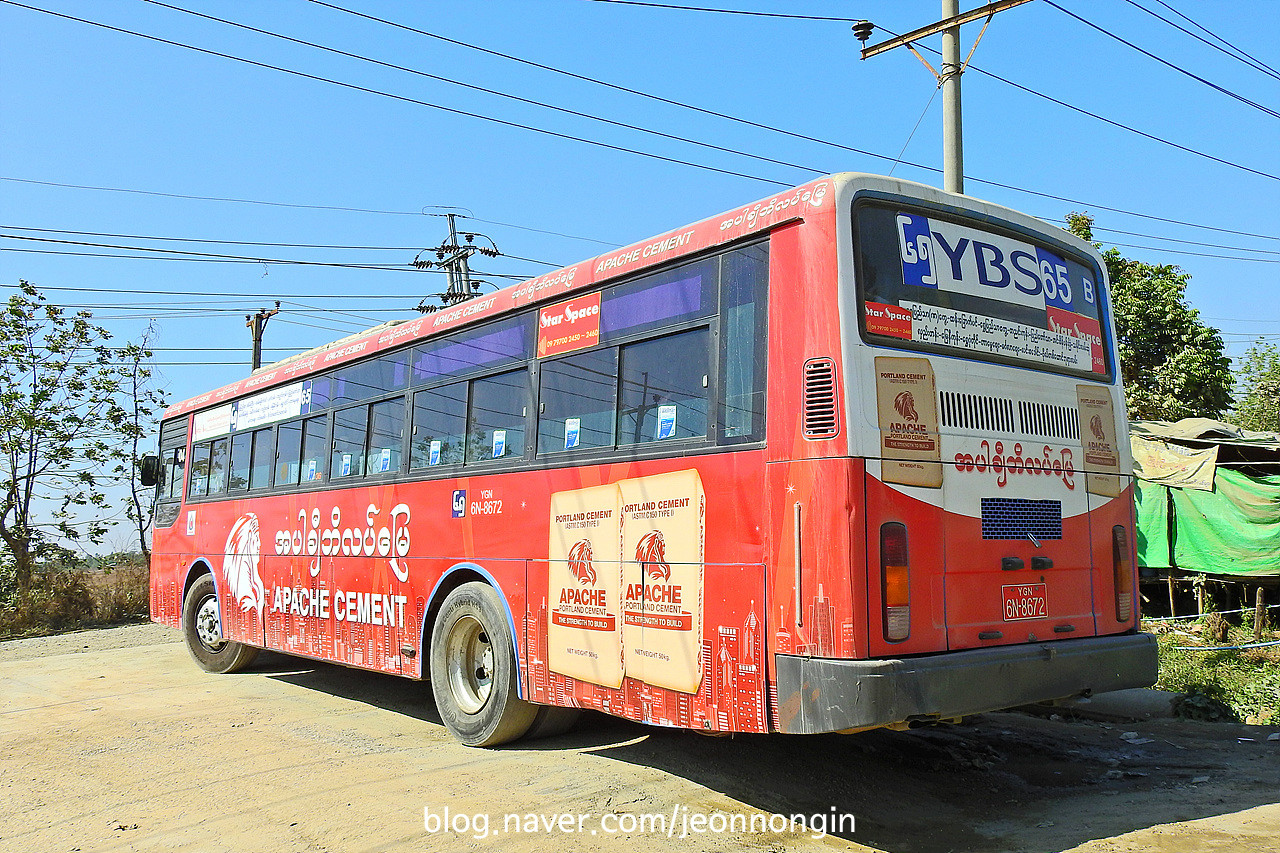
{"x":258,"y":322}
{"x":452,"y":257}
{"x":948,"y":78}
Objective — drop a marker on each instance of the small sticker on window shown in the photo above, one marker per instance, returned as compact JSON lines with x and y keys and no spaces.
{"x":572,"y":432}
{"x":499,"y":443}
{"x":345,"y":469}
{"x":666,"y":423}
{"x":435,"y":454}
{"x":311,"y":469}
{"x":384,"y":461}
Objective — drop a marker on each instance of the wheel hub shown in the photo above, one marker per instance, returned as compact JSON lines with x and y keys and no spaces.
{"x":469,"y":663}
{"x":209,"y":625}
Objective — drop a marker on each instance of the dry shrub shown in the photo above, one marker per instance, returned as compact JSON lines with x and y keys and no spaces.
{"x":60,"y":600}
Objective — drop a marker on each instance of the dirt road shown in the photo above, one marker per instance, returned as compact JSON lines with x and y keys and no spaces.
{"x":113,"y":740}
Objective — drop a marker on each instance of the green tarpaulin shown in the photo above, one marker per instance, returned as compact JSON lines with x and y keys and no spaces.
{"x":1232,"y":530}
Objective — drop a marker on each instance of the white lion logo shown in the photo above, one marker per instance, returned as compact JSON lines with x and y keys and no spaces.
{"x":240,"y":563}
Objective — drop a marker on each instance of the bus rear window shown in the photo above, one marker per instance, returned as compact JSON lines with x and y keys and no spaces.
{"x":934,"y":283}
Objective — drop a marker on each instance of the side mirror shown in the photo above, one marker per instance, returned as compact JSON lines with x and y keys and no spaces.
{"x":149,"y":469}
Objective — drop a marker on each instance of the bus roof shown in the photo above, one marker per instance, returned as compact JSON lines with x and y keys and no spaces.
{"x":808,"y":199}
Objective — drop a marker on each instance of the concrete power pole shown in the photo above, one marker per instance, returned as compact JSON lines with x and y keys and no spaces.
{"x":948,"y":78}
{"x":257,"y":323}
{"x":451,"y":256}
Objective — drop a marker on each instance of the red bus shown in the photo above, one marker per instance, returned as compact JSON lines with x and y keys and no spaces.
{"x":853,"y":456}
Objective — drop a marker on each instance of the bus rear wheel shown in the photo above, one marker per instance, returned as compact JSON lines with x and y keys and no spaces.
{"x":474,"y":671}
{"x":202,"y":629}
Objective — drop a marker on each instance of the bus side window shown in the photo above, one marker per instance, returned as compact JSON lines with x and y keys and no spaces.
{"x":349,"y":428}
{"x":315,"y":436}
{"x":199,"y":470}
{"x":663,"y":392}
{"x":218,"y":466}
{"x":260,"y":459}
{"x":744,"y":339}
{"x":576,"y":401}
{"x":495,"y":423}
{"x":439,"y":426}
{"x":172,"y":474}
{"x":289,"y":454}
{"x":386,"y":436}
{"x":241,"y":447}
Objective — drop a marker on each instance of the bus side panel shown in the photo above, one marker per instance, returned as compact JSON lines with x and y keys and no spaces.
{"x":803,"y":325}
{"x":1107,"y":513}
{"x":926,"y":546}
{"x":232,"y":544}
{"x":699,"y":663}
{"x":166,"y":581}
{"x":827,"y":496}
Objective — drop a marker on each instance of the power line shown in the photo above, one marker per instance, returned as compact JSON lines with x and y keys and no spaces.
{"x":1247,"y":60}
{"x":402,"y":98}
{"x":205,"y":197}
{"x":1241,"y":98}
{"x":488,"y":118}
{"x":729,"y":11}
{"x":1186,"y":242}
{"x":255,"y":296}
{"x":191,"y":253}
{"x":494,"y":92}
{"x":242,"y":243}
{"x":186,"y":197}
{"x":1096,"y":116}
{"x":1219,"y":38}
{"x":793,"y":135}
{"x":205,"y":260}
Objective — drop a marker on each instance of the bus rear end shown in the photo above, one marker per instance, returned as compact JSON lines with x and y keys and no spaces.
{"x":982,"y":452}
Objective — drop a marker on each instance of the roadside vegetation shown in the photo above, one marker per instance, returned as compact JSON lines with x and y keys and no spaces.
{"x":1241,"y":685}
{"x":69,"y":592}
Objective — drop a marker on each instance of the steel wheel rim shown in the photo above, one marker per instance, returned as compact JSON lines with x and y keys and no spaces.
{"x":209,"y":625}
{"x":469,"y":664}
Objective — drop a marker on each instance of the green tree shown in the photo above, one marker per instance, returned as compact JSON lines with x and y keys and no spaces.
{"x":68,"y":421}
{"x":1258,"y":387}
{"x":1174,"y":366}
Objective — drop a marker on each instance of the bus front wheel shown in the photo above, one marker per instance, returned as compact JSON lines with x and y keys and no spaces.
{"x":474,"y":671}
{"x":202,"y":629}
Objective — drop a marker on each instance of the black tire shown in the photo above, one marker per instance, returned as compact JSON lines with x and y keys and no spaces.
{"x":553,"y":720}
{"x":202,"y":629}
{"x":474,"y":672}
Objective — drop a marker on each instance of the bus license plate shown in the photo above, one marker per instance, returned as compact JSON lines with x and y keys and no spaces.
{"x":1025,"y":601}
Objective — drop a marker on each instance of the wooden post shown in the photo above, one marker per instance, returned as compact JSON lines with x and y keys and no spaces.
{"x":1200,"y":597}
{"x":1259,"y":614}
{"x":1173,"y":607}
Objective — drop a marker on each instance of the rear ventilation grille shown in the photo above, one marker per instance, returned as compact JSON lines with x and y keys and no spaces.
{"x":970,"y":411}
{"x":1018,"y":518}
{"x":1049,"y":421}
{"x":821,"y":414}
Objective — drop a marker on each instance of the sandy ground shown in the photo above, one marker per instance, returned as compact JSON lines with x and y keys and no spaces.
{"x":113,"y":740}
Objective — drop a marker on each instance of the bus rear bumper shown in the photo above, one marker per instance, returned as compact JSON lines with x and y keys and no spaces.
{"x":822,"y":695}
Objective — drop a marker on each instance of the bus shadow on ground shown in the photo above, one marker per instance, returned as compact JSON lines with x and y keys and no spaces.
{"x":1000,"y":782}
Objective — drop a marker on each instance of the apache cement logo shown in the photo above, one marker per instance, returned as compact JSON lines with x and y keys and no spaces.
{"x":651,"y":552}
{"x":240,"y":563}
{"x":580,"y":563}
{"x":1095,"y":427}
{"x":905,"y":405}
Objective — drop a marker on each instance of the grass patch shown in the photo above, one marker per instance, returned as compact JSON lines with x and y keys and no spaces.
{"x":1241,"y":685}
{"x":63,"y":599}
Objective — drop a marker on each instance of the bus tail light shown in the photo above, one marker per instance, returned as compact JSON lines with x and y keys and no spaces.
{"x":1122,"y":567}
{"x":895,"y":575}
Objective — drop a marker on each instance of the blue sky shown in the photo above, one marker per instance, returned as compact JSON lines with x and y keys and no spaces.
{"x":84,"y":106}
